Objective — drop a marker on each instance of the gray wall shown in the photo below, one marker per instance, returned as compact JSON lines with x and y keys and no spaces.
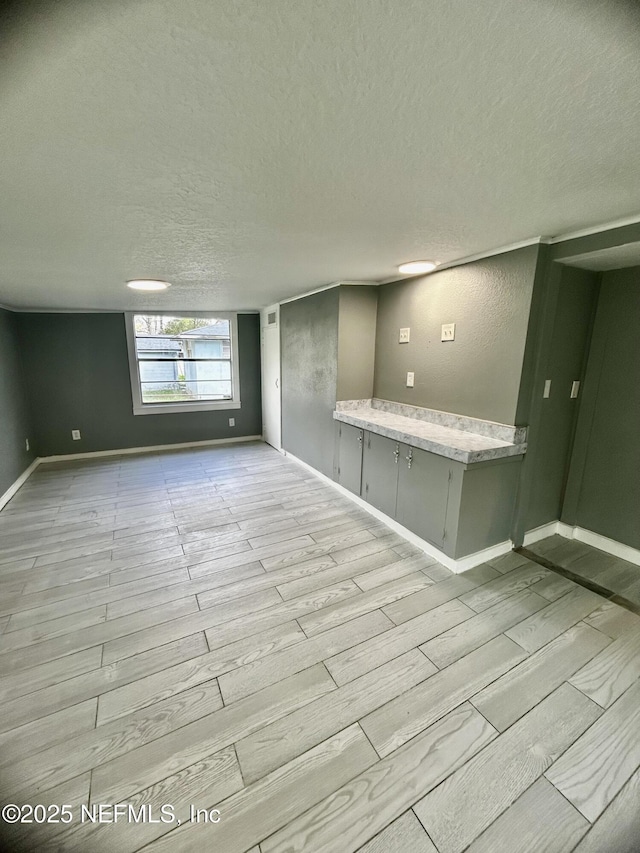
{"x":603,"y":492}
{"x":479,"y":373}
{"x":356,"y":341}
{"x":551,"y":434}
{"x":78,"y":378}
{"x":309,"y":368}
{"x":14,"y":417}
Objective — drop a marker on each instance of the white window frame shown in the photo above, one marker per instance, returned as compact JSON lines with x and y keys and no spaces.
{"x":140,"y":408}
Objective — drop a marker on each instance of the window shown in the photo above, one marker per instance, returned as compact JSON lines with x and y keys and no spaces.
{"x":183,"y":363}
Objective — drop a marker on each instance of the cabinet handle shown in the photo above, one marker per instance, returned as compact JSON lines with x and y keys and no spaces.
{"x":409,"y":458}
{"x":360,"y":437}
{"x":396,"y":454}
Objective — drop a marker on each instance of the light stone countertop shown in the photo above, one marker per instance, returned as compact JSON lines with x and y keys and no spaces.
{"x":460,"y":445}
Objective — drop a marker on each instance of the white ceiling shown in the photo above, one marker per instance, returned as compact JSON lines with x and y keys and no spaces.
{"x":251,"y":150}
{"x":614,"y":258}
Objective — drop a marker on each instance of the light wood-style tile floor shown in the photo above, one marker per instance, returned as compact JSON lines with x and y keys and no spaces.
{"x":217,"y":628}
{"x":593,"y":566}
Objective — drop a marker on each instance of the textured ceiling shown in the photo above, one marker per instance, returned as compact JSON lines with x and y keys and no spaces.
{"x":249,"y":151}
{"x":614,"y":258}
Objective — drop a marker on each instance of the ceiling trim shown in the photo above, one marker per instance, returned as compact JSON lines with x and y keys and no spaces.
{"x":469,"y":259}
{"x":596,"y":229}
{"x":329,"y":287}
{"x":310,"y":292}
{"x":124,"y":311}
{"x":67,"y":310}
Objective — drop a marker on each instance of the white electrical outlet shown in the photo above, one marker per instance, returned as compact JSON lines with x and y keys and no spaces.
{"x":75,"y":434}
{"x":410,"y":380}
{"x":547,"y":389}
{"x":232,"y":421}
{"x":26,"y":441}
{"x":575,"y":389}
{"x":448,"y":332}
{"x":404,"y":336}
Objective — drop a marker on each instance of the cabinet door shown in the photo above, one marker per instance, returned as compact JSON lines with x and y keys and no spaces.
{"x":380,"y":472}
{"x":423,"y":493}
{"x":350,"y":457}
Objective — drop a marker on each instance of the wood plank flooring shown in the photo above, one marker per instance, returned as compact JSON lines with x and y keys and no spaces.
{"x":611,"y":576}
{"x":217,"y":628}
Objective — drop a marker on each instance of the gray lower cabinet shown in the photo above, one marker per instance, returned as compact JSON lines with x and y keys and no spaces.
{"x":380,"y":458}
{"x":423,"y":493}
{"x":349,"y":472}
{"x":460,"y":508}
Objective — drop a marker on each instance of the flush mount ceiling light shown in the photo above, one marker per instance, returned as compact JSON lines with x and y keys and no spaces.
{"x":415,"y":267}
{"x":147,"y":284}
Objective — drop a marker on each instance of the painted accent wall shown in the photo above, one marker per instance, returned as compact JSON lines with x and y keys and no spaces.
{"x":327,"y":347}
{"x":15,"y":425}
{"x":603,"y":492}
{"x":77,"y":372}
{"x":309,"y":375}
{"x":478,"y":374}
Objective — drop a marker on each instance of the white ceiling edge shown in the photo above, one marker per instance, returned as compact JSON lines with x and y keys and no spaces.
{"x":469,"y":259}
{"x":18,"y":310}
{"x":168,"y":311}
{"x":611,"y":259}
{"x":595,"y":229}
{"x":328,"y":287}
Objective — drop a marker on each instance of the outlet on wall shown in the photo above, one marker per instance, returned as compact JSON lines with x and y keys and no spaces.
{"x":448,"y":332}
{"x":75,"y":434}
{"x":410,"y":380}
{"x":403,"y":337}
{"x":26,"y":442}
{"x":232,"y":421}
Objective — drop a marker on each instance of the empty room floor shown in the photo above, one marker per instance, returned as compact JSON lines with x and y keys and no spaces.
{"x":218,"y":629}
{"x":618,"y":577}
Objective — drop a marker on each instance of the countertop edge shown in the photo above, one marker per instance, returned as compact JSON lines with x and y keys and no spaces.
{"x":454,"y":453}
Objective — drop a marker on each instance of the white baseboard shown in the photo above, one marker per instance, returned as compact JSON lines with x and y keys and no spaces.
{"x":542,"y":532}
{"x":125,"y":451}
{"x":40,"y":460}
{"x":471,"y":560}
{"x":617,"y":549}
{"x":13,"y":488}
{"x":457,"y":566}
{"x":581,"y":534}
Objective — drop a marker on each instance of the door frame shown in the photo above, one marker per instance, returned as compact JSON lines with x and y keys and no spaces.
{"x":271,"y":398}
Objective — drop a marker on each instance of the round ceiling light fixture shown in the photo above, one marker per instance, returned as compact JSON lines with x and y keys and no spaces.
{"x":417,"y":267}
{"x":147,"y":284}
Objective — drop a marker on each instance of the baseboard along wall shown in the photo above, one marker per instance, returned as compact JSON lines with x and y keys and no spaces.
{"x":457,"y":566}
{"x":125,"y":451}
{"x":581,"y":534}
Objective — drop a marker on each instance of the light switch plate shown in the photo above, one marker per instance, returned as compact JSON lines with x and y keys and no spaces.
{"x":575,"y":389}
{"x":410,"y":380}
{"x":404,"y":336}
{"x":448,"y":332}
{"x":547,"y":389}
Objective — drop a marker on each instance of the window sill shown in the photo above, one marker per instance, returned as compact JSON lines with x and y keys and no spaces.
{"x":180,"y":408}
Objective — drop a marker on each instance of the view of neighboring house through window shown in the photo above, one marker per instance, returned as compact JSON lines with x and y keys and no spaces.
{"x":182,"y":362}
